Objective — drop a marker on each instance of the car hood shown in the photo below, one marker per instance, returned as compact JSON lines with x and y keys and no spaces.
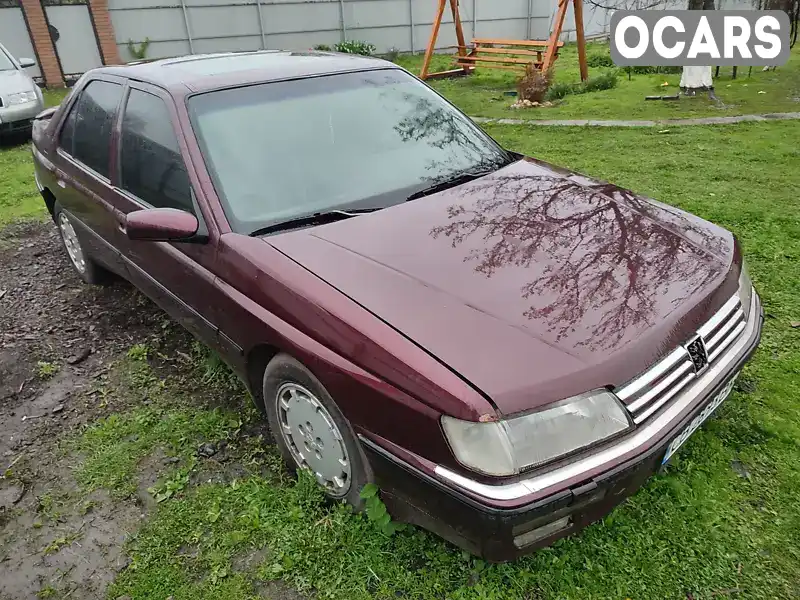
{"x":12,"y":82}
{"x":533,"y":283}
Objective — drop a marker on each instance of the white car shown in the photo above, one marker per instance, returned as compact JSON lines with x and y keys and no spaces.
{"x":20,"y":98}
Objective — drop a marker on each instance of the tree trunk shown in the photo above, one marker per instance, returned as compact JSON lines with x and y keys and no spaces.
{"x":697,"y":78}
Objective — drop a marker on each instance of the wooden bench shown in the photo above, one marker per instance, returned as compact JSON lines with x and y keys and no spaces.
{"x":511,"y":55}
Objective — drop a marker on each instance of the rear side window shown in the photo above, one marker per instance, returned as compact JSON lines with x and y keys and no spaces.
{"x":151,"y":167}
{"x":87,"y":131}
{"x":67,"y":141}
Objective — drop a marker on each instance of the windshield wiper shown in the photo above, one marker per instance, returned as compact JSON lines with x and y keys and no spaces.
{"x":457,"y":179}
{"x":318,"y":218}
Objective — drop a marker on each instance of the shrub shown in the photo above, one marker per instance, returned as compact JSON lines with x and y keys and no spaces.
{"x":355,"y":47}
{"x":534,"y":84}
{"x":392,"y":54}
{"x":322,"y":48}
{"x":139,"y":52}
{"x":643,"y":70}
{"x":606,"y":81}
{"x":599,"y":60}
{"x":559,"y":90}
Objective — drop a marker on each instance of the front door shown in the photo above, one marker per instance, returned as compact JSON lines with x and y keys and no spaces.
{"x":151,"y":173}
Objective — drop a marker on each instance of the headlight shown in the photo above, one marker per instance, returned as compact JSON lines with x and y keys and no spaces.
{"x":21,"y":98}
{"x":509,"y":446}
{"x":745,"y":290}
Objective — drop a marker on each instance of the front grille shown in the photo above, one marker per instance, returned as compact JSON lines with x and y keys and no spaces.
{"x":652,"y":390}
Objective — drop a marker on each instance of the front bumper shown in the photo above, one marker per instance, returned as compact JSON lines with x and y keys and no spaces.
{"x":484,"y":519}
{"x":19,"y":117}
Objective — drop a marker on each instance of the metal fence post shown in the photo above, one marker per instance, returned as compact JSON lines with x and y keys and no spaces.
{"x":261,"y":26}
{"x":188,"y":30}
{"x":530,"y":15}
{"x":411,"y":20}
{"x":474,"y":18}
{"x":342,"y":24}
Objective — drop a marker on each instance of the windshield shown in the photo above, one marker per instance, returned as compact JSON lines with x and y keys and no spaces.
{"x":5,"y":62}
{"x":357,"y":140}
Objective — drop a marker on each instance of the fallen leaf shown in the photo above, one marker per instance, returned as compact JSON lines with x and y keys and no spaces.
{"x":3,"y":293}
{"x":795,"y":324}
{"x":665,"y":84}
{"x":761,"y":92}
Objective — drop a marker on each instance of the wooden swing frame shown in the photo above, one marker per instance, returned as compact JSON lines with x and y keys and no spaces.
{"x":505,"y":54}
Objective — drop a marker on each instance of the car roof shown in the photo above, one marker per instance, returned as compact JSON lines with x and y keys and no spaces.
{"x":206,"y":72}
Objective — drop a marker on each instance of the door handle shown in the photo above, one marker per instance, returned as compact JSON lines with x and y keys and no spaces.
{"x":61,"y":184}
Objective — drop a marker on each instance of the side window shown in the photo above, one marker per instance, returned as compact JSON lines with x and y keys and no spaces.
{"x":151,"y":167}
{"x":87,"y":131}
{"x":67,"y":141}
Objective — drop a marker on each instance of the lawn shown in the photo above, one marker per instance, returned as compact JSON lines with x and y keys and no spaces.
{"x":722,"y":522}
{"x":481,"y":94}
{"x":18,"y":196}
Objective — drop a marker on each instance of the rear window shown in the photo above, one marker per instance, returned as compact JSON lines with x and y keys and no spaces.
{"x":86,"y":135}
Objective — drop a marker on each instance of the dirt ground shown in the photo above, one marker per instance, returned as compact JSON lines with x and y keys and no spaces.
{"x":57,"y":336}
{"x":59,"y":339}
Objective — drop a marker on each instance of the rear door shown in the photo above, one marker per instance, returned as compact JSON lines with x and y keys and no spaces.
{"x":83,"y":168}
{"x":152,"y":173}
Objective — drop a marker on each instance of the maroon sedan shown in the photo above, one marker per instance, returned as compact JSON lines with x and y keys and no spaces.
{"x":507,"y":348}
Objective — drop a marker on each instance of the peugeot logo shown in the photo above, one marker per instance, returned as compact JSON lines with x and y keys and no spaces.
{"x":697,"y":352}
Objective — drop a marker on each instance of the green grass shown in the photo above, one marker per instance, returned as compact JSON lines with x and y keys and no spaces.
{"x":19,"y":198}
{"x":481,"y":94}
{"x":697,"y":531}
{"x":112,"y":448}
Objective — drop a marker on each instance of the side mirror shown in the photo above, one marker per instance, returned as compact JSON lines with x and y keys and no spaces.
{"x":27,"y":62}
{"x":160,"y":225}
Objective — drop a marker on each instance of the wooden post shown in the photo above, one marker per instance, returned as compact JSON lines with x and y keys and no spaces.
{"x":462,"y":50}
{"x":437,"y":22}
{"x":580,"y":38}
{"x":552,"y":45}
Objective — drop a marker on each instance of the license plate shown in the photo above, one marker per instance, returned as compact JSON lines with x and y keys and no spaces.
{"x":698,"y":420}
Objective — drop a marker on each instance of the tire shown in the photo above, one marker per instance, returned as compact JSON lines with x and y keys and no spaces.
{"x":306,"y":425}
{"x":88,"y":270}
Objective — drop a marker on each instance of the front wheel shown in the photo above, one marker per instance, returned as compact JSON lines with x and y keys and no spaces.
{"x":311,"y":432}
